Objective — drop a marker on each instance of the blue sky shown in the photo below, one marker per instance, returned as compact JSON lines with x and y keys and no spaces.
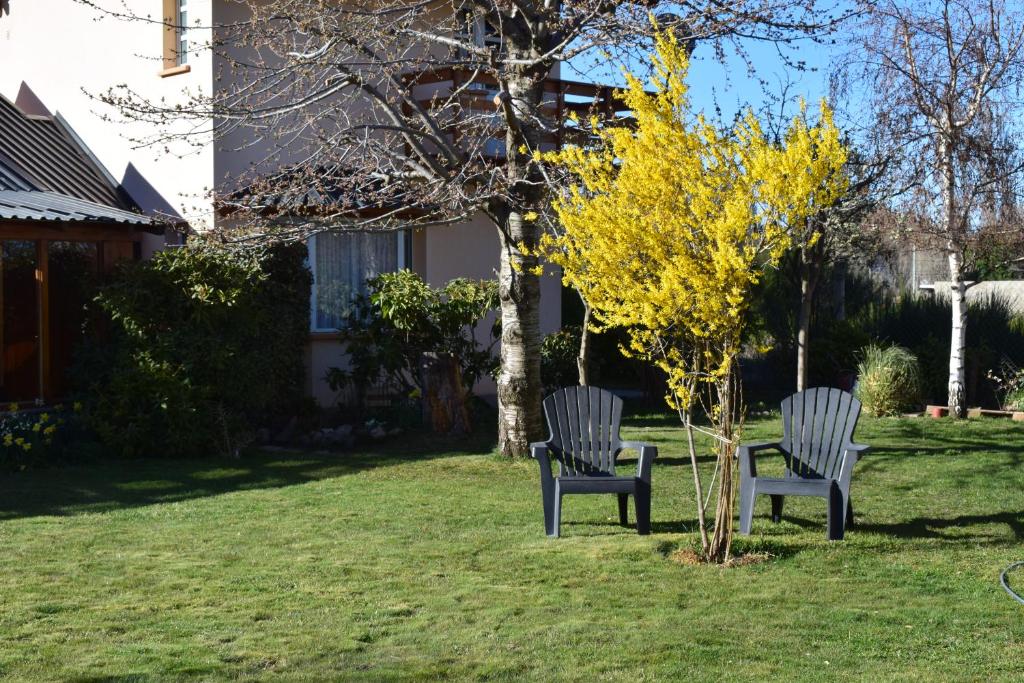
{"x":729,"y":85}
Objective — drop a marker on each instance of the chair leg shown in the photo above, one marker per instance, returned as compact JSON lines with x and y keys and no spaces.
{"x":747,"y":497}
{"x":642,"y":501}
{"x":624,"y":509}
{"x":547,"y":492}
{"x":836,"y":513}
{"x":556,"y":525}
{"x":849,"y":514}
{"x":777,"y":502}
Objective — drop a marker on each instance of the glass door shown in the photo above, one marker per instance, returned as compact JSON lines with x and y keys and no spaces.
{"x":20,"y":322}
{"x":72,"y":272}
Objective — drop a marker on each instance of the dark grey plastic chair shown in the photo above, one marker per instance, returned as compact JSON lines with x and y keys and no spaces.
{"x":817,"y":444}
{"x":584,"y":426}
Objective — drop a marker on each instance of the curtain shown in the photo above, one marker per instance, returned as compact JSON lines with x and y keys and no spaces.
{"x":344,"y":261}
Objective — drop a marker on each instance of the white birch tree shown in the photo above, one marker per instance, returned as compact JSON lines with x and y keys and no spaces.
{"x":943,"y":80}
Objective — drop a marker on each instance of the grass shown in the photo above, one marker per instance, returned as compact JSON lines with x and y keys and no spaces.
{"x":429,"y":561}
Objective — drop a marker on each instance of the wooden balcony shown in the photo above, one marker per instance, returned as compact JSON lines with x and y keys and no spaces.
{"x":468,"y":96}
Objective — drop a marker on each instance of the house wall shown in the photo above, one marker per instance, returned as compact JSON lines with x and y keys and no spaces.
{"x":440,"y":254}
{"x":60,"y":48}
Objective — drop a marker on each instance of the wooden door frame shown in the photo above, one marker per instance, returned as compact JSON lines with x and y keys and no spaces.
{"x":42,"y":234}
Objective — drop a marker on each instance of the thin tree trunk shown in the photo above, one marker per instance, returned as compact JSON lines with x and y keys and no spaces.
{"x":721,"y":539}
{"x":839,"y":290}
{"x":705,"y":542}
{"x":809,"y":275}
{"x":958,"y":290}
{"x":958,"y":340}
{"x":583,"y":359}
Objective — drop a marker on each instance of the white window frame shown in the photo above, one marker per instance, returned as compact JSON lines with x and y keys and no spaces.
{"x":400,"y":261}
{"x":181,"y":42}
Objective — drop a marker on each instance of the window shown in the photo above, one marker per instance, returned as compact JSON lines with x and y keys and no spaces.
{"x":480,"y":32}
{"x":341,"y":263}
{"x":182,"y":42}
{"x":176,"y":37}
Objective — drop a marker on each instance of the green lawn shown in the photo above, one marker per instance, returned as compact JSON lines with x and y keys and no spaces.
{"x":420,"y":562}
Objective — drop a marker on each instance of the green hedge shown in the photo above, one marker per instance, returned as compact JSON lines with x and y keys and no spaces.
{"x":921,"y":324}
{"x":192,"y":350}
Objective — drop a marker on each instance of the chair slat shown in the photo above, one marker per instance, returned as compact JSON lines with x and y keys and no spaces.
{"x":843,"y":416}
{"x":586,"y":454}
{"x":787,"y":424}
{"x":827,"y":435}
{"x":806,"y":400}
{"x":572,"y":410}
{"x":597,"y":437}
{"x":565,"y":437}
{"x":821,"y":401}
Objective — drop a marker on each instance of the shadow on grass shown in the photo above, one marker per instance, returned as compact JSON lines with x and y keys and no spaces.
{"x":112,"y":484}
{"x":935,"y":527}
{"x":953,"y":529}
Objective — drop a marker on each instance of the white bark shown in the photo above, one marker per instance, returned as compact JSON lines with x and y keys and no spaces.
{"x":958,"y":341}
{"x":958,"y":294}
{"x":519,"y":384}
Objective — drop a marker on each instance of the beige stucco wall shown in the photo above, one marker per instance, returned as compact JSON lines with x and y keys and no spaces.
{"x":441,"y":254}
{"x":60,"y":47}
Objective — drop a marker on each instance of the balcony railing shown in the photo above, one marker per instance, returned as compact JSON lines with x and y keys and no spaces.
{"x":471,"y":94}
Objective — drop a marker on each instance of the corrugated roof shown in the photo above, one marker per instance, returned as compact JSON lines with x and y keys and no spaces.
{"x":35,"y":205}
{"x":40,"y":152}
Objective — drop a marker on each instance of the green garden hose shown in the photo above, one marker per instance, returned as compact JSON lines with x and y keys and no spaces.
{"x":1002,"y":579}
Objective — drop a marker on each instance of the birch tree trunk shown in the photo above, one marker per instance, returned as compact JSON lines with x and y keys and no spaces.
{"x":519,"y":382}
{"x":519,"y":385}
{"x":958,"y":339}
{"x":958,"y":290}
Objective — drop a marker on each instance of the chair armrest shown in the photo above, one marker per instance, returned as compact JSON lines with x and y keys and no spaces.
{"x":745,"y":453}
{"x":855,"y":451}
{"x":648,"y":452}
{"x":539,"y":452}
{"x":852,"y":452}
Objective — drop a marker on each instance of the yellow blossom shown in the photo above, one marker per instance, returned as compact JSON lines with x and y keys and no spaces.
{"x":672,"y":220}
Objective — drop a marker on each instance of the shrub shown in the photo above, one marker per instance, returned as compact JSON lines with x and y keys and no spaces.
{"x":32,"y":437}
{"x":888,"y":380}
{"x":387,"y":332}
{"x":194,"y":348}
{"x":875,"y":315}
{"x":1008,"y":382}
{"x":559,"y":352}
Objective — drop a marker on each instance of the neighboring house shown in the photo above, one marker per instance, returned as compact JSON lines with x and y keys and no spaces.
{"x":1009,"y":292}
{"x":63,"y":221}
{"x":60,"y":49}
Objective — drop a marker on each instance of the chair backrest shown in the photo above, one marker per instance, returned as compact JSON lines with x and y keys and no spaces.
{"x":817,"y":426}
{"x":584,"y":425}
